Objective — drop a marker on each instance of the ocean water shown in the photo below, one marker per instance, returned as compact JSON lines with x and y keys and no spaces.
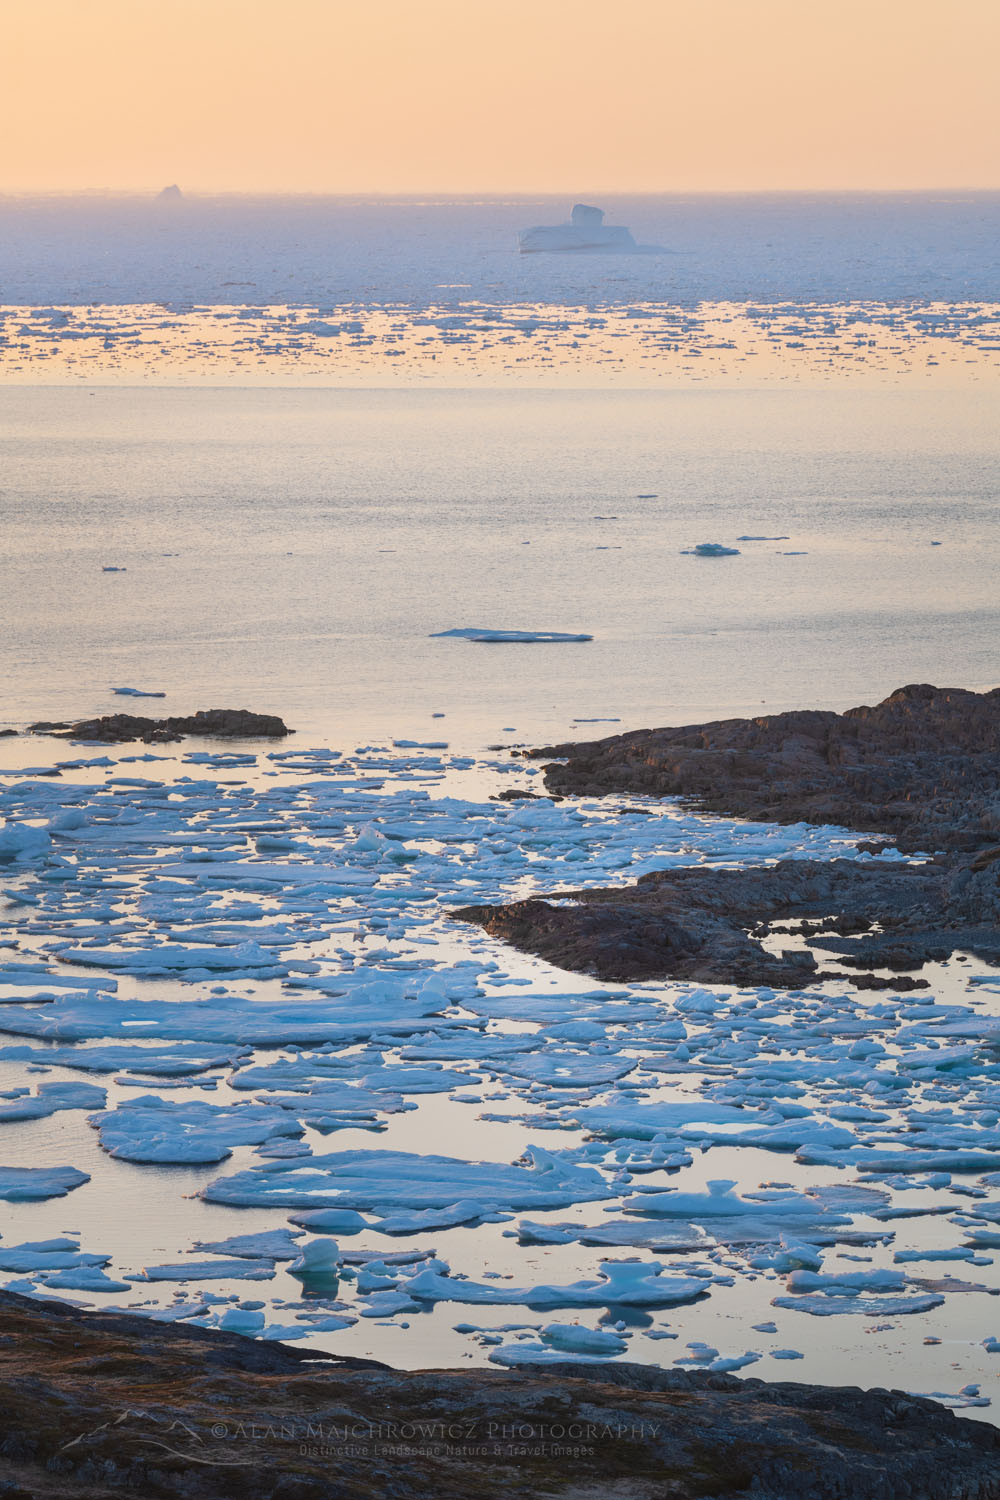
{"x":409,"y":252}
{"x":294,"y":551}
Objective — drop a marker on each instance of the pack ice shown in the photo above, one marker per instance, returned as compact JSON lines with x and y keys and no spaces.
{"x":249,"y":953}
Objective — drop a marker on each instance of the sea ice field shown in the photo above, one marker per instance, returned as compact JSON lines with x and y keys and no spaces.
{"x":255,"y":1075}
{"x":362,"y":466}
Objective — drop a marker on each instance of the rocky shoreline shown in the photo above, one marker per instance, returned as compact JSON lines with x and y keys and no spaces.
{"x":921,"y":768}
{"x":212,"y":723}
{"x":98,"y":1405}
{"x":918,"y":772}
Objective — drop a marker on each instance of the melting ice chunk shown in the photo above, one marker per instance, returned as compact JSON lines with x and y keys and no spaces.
{"x":517,"y":637}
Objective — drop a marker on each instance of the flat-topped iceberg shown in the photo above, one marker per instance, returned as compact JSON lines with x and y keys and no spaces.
{"x":584,"y":232}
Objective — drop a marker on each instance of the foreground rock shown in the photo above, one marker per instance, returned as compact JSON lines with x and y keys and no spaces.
{"x":923,"y":768}
{"x":100,"y":1405}
{"x":212,"y":723}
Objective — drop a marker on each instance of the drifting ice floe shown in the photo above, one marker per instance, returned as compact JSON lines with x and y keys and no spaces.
{"x":48,"y":1255}
{"x":209,"y":1270}
{"x":618,"y":1284}
{"x":25,"y":1184}
{"x":396,"y":1179}
{"x":177,"y":1062}
{"x":863,"y":1306}
{"x":152,"y":1129}
{"x":517,"y":637}
{"x":710,"y":549}
{"x":50,"y":1098}
{"x":269,"y":1244}
{"x":559,"y":1341}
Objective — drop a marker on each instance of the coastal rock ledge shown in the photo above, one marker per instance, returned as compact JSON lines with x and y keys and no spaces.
{"x":922,"y":766}
{"x":100,"y":1405}
{"x":210,"y":723}
{"x":921,"y":771}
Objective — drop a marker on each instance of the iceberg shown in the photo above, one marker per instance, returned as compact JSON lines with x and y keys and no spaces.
{"x":584,"y":232}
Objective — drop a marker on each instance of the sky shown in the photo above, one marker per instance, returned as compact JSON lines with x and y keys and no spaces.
{"x":499,"y":96}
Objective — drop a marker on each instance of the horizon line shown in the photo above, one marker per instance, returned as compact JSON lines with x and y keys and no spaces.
{"x":492,"y":194}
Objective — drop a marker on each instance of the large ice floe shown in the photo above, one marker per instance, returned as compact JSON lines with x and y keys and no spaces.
{"x":509,"y":637}
{"x":211,"y":968}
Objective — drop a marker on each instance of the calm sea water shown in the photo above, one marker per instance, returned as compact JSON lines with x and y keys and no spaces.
{"x":293,"y":550}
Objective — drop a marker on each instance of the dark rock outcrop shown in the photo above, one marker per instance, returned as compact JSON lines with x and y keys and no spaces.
{"x":922,"y":768}
{"x":96,"y":1405}
{"x":212,"y":723}
{"x":706,"y":925}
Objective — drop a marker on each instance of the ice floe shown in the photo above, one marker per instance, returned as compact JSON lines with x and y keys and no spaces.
{"x":366,"y":1180}
{"x":158,"y":1130}
{"x":27,"y":1184}
{"x":510,"y":637}
{"x":711,"y":549}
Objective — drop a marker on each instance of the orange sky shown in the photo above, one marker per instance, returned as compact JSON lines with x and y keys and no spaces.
{"x":498,"y":95}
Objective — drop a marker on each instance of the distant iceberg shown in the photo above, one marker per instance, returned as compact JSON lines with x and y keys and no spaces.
{"x":585,"y":232}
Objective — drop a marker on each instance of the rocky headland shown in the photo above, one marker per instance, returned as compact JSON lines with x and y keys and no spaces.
{"x":919,"y":772}
{"x":99,"y":1405}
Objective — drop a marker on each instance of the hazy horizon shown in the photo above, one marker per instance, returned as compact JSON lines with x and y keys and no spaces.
{"x":430,"y":197}
{"x":335,"y":97}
